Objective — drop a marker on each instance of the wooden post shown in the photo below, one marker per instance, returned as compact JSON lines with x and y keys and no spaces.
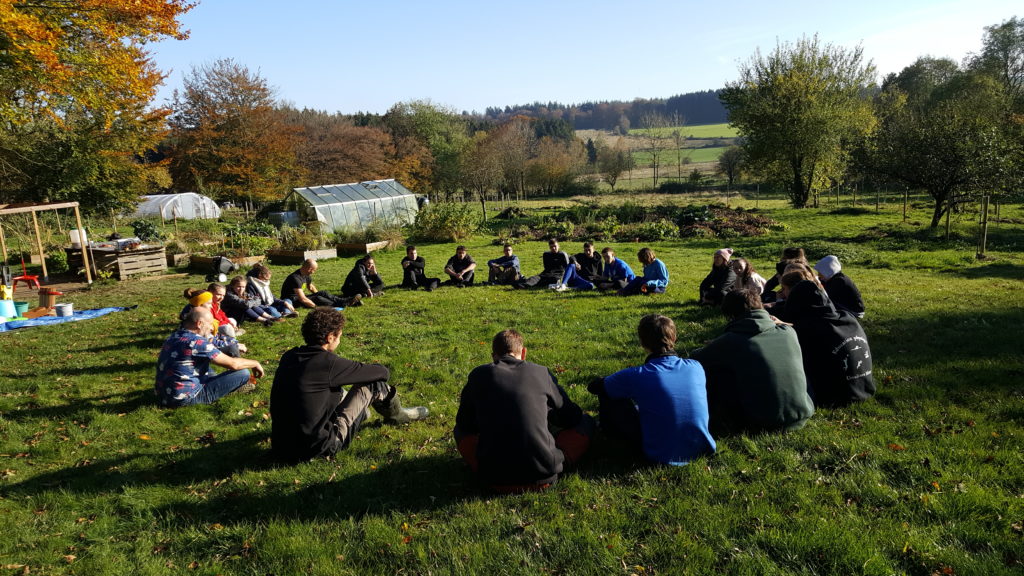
{"x":39,"y":245}
{"x":947,"y":222}
{"x":85,"y":247}
{"x":983,"y":240}
{"x":757,"y":195}
{"x":878,"y":195}
{"x":906,"y":198}
{"x":3,"y":244}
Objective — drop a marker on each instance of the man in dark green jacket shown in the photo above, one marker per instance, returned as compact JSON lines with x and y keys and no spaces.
{"x":755,"y":374}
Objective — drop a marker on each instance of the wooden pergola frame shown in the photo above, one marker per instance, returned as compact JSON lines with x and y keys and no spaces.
{"x":33,"y":208}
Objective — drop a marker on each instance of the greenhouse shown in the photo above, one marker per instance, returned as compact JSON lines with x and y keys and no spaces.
{"x":186,"y":205}
{"x":351,"y":206}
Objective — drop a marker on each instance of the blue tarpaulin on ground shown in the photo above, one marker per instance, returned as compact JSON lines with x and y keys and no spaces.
{"x":47,"y":320}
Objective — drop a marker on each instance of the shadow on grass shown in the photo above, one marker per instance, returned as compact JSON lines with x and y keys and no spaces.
{"x":1007,"y":271}
{"x":120,"y":403}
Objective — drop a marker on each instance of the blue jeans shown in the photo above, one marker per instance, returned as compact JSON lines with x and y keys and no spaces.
{"x":218,"y":386}
{"x":637,"y":284}
{"x":572,"y":279}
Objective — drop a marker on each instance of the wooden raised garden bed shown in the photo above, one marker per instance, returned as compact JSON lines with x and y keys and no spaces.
{"x":353,"y":249}
{"x":297,"y":256}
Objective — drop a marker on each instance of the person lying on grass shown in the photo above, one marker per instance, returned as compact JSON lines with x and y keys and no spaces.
{"x":299,"y":289}
{"x":516,"y":427}
{"x":655,"y":278}
{"x":183,"y":373}
{"x":836,"y":355}
{"x":414,"y":273}
{"x":754,"y":370}
{"x":661,"y":407}
{"x":312,"y":414}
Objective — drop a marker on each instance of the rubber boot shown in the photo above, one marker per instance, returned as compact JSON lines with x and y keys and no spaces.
{"x":391,"y":409}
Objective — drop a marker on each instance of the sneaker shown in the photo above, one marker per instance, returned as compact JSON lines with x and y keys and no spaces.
{"x":246,"y":388}
{"x":239,"y":332}
{"x":357,"y":300}
{"x":561,"y":288}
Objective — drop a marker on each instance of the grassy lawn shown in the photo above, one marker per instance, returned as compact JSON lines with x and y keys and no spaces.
{"x":667,"y":157}
{"x":927,"y":478}
{"x":723,"y":130}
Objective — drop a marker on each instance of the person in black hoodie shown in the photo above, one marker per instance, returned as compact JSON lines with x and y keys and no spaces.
{"x":719,"y":281}
{"x":555,"y":263}
{"x":789,"y":255}
{"x":363,"y":280}
{"x":414,"y":272}
{"x":311,"y":413}
{"x":840,"y":289}
{"x":516,"y":427}
{"x":836,"y":354}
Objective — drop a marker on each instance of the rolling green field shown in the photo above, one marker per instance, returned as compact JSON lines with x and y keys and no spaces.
{"x":701,"y":131}
{"x":667,"y":157}
{"x":926,"y":478}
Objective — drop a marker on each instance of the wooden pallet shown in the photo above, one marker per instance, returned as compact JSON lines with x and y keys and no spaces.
{"x":123,"y":264}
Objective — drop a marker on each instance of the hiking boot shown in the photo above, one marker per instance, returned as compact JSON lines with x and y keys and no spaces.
{"x":246,"y":388}
{"x":393,"y":412}
{"x":357,"y":300}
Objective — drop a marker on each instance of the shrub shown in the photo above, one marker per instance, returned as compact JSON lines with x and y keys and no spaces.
{"x":511,"y":212}
{"x":146,"y":230}
{"x":647,"y":231}
{"x":446,"y":222}
{"x":57,"y":262}
{"x":308,"y":237}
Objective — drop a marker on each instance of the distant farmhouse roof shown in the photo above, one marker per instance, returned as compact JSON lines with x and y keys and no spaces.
{"x":355,"y":205}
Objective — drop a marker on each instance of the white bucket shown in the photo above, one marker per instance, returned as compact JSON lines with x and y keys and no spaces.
{"x":64,"y":309}
{"x":77,"y":238}
{"x":7,"y":309}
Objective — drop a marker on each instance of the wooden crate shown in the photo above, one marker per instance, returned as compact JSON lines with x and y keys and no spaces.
{"x":145,"y":260}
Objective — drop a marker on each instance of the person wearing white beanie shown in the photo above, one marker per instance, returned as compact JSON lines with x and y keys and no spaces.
{"x":720,"y":280}
{"x":839,"y":287}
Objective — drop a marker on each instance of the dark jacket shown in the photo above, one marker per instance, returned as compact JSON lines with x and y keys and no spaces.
{"x":555,"y":263}
{"x":837,"y":358}
{"x":590,"y":266}
{"x":307,"y":389}
{"x":413,"y":275}
{"x":717,"y":283}
{"x":360,"y":280}
{"x":844,"y":294}
{"x":236,"y":306}
{"x":510,"y":403}
{"x":755,"y":376}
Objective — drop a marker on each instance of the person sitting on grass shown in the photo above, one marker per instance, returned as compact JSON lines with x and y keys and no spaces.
{"x":460,"y":268}
{"x":836,"y":355}
{"x":754,"y":370}
{"x":503,"y":270}
{"x":719,"y":281}
{"x":259,"y":287}
{"x":617,"y":274}
{"x":240,"y":306}
{"x":555,"y":263}
{"x":183,"y":373}
{"x":840,"y":289}
{"x":746,"y":277}
{"x":516,"y":427}
{"x":228,"y":326}
{"x":654,"y":280}
{"x":363,"y":280}
{"x":414,"y":272}
{"x":583,"y":272}
{"x":298,"y":288}
{"x":791,"y":254}
{"x":220,"y":338}
{"x":312,"y":414}
{"x":661,"y":407}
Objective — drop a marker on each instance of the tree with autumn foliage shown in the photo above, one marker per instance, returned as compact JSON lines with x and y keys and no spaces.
{"x":228,"y":140}
{"x":75,"y":85}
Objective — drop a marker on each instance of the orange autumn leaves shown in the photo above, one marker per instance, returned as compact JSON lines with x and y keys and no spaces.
{"x":86,"y":52}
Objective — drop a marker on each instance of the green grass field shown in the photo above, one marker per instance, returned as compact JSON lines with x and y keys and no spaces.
{"x":701,"y":131}
{"x":927,"y":478}
{"x":667,"y":157}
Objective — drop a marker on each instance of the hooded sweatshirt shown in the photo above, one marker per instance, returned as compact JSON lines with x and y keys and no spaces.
{"x":837,"y":358}
{"x":755,"y":376}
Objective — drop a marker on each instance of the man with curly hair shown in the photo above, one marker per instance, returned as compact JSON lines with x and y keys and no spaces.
{"x":311,"y":411}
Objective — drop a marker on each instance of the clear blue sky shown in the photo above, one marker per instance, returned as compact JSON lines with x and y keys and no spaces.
{"x":348,"y":56}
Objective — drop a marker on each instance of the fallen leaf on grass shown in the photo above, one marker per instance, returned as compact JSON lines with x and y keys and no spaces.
{"x":896,"y":447}
{"x":143,"y":436}
{"x":69,"y":558}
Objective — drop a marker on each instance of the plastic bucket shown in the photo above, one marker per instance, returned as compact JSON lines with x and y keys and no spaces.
{"x":64,"y":309}
{"x":7,"y":309}
{"x":77,"y":238}
{"x":20,"y":308}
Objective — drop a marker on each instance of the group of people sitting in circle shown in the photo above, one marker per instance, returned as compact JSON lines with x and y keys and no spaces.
{"x":780,"y":356}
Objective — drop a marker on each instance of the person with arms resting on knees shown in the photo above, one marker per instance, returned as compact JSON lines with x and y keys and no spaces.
{"x":516,"y":427}
{"x":555,"y":263}
{"x":241,"y":305}
{"x":460,"y":268}
{"x":312,"y":414}
{"x":583,"y":273}
{"x":719,"y":281}
{"x":363,"y":280}
{"x":655,"y":278}
{"x":617,"y":274}
{"x":259,"y":287}
{"x":183,"y":374}
{"x":414,"y":272}
{"x":660,"y":407}
{"x":504,"y":270}
{"x":299,"y":289}
{"x":840,"y":288}
{"x":755,"y":373}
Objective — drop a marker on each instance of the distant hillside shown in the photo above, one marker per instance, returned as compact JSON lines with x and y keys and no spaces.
{"x":693,"y":108}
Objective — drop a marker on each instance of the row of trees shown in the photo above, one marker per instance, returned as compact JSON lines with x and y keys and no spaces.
{"x":811,"y":117}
